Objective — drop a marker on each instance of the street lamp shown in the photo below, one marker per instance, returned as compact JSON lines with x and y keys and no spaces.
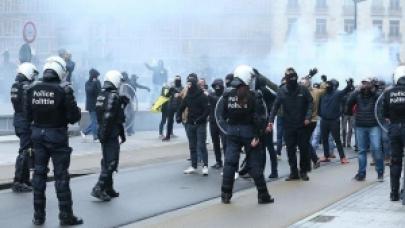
{"x":355,"y":12}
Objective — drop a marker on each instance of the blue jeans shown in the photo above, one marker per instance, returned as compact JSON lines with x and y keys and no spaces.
{"x":197,"y":138}
{"x":369,"y":138}
{"x":92,"y":128}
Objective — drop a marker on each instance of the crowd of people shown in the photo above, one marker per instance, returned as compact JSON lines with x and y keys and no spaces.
{"x":244,"y":109}
{"x":241,"y":111}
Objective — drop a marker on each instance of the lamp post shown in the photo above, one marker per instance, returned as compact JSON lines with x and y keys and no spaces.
{"x":355,"y":12}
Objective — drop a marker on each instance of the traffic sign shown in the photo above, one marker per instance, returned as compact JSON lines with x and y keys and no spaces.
{"x":29,"y":32}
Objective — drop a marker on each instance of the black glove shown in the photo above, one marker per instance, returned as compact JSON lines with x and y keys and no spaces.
{"x":123,"y":138}
{"x":324,"y":78}
{"x":349,"y":82}
{"x":124,"y":100}
{"x":312,"y":72}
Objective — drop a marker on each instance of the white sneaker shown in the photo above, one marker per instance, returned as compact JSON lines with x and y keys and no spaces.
{"x":190,"y":170}
{"x":205,"y":171}
{"x":236,"y":175}
{"x":83,"y":135}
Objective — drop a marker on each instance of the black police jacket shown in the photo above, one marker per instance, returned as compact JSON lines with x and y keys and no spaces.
{"x":110,"y":113}
{"x":394,"y":104}
{"x":249,"y":118}
{"x":19,"y":93}
{"x":51,"y":104}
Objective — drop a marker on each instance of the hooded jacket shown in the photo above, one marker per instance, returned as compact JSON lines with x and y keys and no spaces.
{"x":93,"y":88}
{"x":365,"y":104}
{"x":330,"y":103}
{"x":196,"y":103}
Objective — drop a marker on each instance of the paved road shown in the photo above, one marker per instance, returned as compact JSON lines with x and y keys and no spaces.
{"x":145,"y":192}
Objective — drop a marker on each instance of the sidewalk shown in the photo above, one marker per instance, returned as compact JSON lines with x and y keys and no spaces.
{"x":369,"y":208}
{"x":140,"y":149}
{"x":293,"y":202}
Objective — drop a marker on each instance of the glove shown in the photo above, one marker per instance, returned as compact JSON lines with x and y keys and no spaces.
{"x":324,"y":78}
{"x":312,"y":72}
{"x":123,"y":138}
{"x":124,"y":100}
{"x":349,"y":81}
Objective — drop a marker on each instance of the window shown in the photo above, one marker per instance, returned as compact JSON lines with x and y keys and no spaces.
{"x":378,"y":24}
{"x":291,"y":25}
{"x":321,"y":4}
{"x":292,"y":4}
{"x":395,"y":4}
{"x":349,"y":26}
{"x":321,"y":27}
{"x":394,"y":29}
{"x":377,"y":3}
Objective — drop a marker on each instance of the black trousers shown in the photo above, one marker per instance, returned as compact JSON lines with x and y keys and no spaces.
{"x":23,"y":161}
{"x":51,"y":144}
{"x":269,"y":145}
{"x":109,"y":163}
{"x":297,"y":137}
{"x":164,"y":118}
{"x":170,"y":122}
{"x":217,"y":137}
{"x":234,"y":145}
{"x":331,"y":127}
{"x":397,"y":139}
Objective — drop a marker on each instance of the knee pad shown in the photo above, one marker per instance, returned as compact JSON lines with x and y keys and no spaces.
{"x":112,"y":166}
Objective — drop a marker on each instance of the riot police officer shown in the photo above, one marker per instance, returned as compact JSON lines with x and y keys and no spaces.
{"x":245,"y":119}
{"x":51,"y":107}
{"x":26,"y":73}
{"x":110,"y":116}
{"x":394,"y":112}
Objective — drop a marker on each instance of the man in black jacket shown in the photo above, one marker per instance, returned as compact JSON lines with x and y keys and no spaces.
{"x":26,"y":73}
{"x":172,"y":105}
{"x":93,"y":88}
{"x":110,"y":114}
{"x":216,"y":134}
{"x":394,"y":112}
{"x":51,"y":107}
{"x":297,"y":105}
{"x":368,"y":132}
{"x":196,"y":127}
{"x":330,"y":113}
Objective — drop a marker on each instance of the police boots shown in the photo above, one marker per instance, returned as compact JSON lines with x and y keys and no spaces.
{"x":265,"y":198}
{"x":39,"y":219}
{"x":69,"y":219}
{"x":100,"y":193}
{"x":226,"y":198}
{"x":21,"y":188}
{"x":394,"y":195}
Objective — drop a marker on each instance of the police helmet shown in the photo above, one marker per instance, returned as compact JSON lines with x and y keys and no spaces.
{"x":115,"y":77}
{"x":28,"y":70}
{"x":58,"y":65}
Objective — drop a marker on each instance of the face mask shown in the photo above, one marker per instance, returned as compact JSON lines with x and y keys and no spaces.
{"x":219,"y":91}
{"x":177,"y":83}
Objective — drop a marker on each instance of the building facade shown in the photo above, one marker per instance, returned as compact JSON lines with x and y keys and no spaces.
{"x":327,"y":20}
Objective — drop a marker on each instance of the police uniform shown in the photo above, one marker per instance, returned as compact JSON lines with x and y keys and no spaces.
{"x":394,"y":110}
{"x":244,"y":123}
{"x":51,"y":107}
{"x":110,"y":116}
{"x":23,"y":131}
